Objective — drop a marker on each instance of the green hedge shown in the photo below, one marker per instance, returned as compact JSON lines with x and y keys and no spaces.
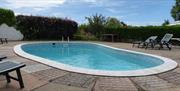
{"x":7,"y":16}
{"x":128,"y":34}
{"x":45,"y":28}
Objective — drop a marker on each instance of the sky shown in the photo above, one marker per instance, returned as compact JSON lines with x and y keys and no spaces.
{"x":132,"y":12}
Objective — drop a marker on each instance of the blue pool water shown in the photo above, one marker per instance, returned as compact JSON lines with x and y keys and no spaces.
{"x":92,"y":56}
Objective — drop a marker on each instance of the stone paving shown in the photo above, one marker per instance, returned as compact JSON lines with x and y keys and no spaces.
{"x":35,"y":68}
{"x":77,"y":80}
{"x":171,"y":77}
{"x":49,"y":74}
{"x":114,"y":84}
{"x":152,"y":83}
{"x":39,"y":77}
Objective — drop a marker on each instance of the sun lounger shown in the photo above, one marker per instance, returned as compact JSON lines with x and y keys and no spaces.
{"x":177,"y":39}
{"x":146,"y":43}
{"x":7,"y":67}
{"x":165,"y":41}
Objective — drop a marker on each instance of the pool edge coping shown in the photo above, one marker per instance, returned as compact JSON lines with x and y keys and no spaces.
{"x":168,"y":64}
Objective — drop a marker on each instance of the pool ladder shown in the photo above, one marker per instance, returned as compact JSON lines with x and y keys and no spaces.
{"x":65,"y":46}
{"x":63,"y":39}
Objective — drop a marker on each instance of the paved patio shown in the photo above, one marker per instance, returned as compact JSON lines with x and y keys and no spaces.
{"x":39,"y":77}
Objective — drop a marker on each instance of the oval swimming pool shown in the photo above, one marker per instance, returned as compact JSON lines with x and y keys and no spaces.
{"x":95,"y":59}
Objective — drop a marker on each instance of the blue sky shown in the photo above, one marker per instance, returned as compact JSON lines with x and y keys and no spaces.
{"x":132,"y":12}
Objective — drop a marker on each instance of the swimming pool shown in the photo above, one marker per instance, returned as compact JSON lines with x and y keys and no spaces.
{"x":95,"y":59}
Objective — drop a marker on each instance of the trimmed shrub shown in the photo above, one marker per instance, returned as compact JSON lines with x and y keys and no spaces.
{"x":131,"y":33}
{"x":7,"y":16}
{"x":45,"y":28}
{"x":128,"y":34}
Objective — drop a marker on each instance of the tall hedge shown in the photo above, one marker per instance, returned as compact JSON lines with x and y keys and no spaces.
{"x":7,"y":16}
{"x":45,"y":28}
{"x":141,"y":33}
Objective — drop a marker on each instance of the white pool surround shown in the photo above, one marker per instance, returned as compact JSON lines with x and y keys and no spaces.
{"x":168,"y":64}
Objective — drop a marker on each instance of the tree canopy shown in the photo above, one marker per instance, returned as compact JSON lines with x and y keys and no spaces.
{"x":7,"y":16}
{"x":166,"y":22}
{"x":175,"y":12}
{"x":96,"y":24}
{"x":114,"y":23}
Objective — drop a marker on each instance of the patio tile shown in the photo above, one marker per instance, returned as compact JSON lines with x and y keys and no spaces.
{"x":171,"y":76}
{"x":12,"y":61}
{"x":29,"y":62}
{"x":152,"y":83}
{"x":17,"y":59}
{"x":5,"y":87}
{"x":35,"y":68}
{"x":2,"y":78}
{"x":77,"y":80}
{"x":9,"y":87}
{"x":30,"y":82}
{"x":36,"y":79}
{"x":59,"y":87}
{"x":171,"y":89}
{"x":49,"y":74}
{"x":114,"y":84}
{"x":177,"y":70}
{"x":13,"y":73}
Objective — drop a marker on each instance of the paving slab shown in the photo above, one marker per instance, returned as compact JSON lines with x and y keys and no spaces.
{"x":29,"y":62}
{"x":114,"y":84}
{"x":30,"y":82}
{"x":15,"y":61}
{"x":171,"y":89}
{"x":2,"y":78}
{"x":39,"y":76}
{"x":35,"y":67}
{"x":152,"y":83}
{"x":9,"y":87}
{"x":19,"y":59}
{"x":171,"y":77}
{"x":59,"y":87}
{"x":77,"y":80}
{"x":49,"y":74}
{"x":177,"y":69}
{"x":5,"y":87}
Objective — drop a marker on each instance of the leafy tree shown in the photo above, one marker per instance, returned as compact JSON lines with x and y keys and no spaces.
{"x":7,"y":16}
{"x":96,"y":24}
{"x":166,"y":22}
{"x":124,"y":24}
{"x":82,"y":27}
{"x":175,"y":12}
{"x":114,"y":23}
